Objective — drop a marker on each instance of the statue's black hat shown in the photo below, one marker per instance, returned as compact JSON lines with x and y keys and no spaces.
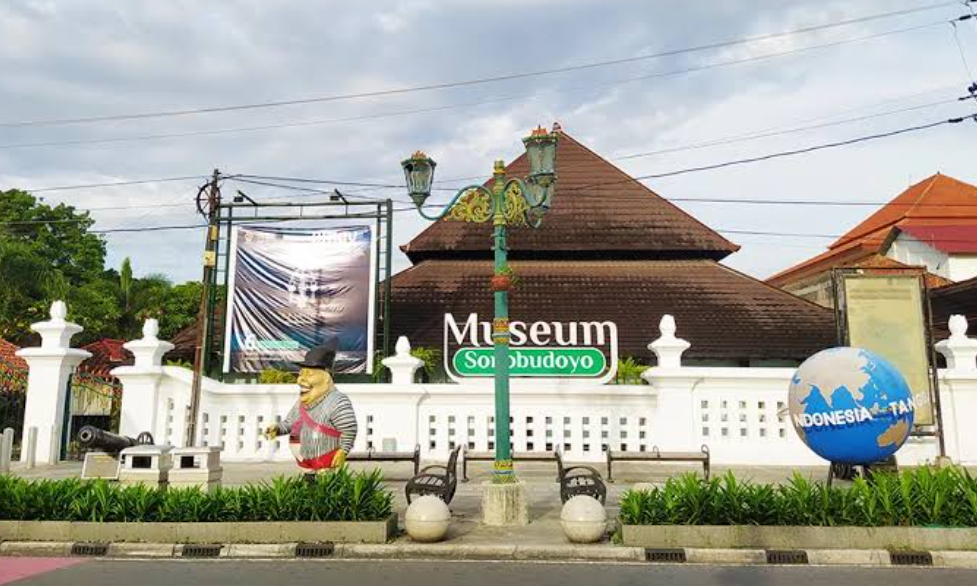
{"x":322,"y":356}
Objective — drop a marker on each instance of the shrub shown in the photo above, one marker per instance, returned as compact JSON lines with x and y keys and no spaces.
{"x":274,"y":376}
{"x":334,"y":496}
{"x":432,"y":360}
{"x":919,"y":497}
{"x":629,"y":372}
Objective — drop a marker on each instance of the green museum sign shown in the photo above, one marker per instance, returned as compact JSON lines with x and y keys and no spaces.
{"x":541,"y":350}
{"x":532,"y":362}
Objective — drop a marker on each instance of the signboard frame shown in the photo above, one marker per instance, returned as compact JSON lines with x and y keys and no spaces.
{"x":842,"y":324}
{"x":311,"y":234}
{"x":333,"y":210}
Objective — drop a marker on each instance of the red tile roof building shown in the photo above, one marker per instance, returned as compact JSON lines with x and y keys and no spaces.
{"x":609,"y":249}
{"x":933,"y":224}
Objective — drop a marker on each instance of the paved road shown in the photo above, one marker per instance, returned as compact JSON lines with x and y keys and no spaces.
{"x":418,"y":573}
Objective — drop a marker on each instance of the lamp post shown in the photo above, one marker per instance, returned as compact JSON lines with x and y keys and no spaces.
{"x":509,"y":201}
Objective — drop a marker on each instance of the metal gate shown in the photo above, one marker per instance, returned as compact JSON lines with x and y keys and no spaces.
{"x":13,"y":398}
{"x":92,"y":399}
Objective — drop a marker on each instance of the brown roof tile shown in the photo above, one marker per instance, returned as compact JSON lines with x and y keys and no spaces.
{"x":597,"y":210}
{"x":8,"y":355}
{"x":723,"y":313}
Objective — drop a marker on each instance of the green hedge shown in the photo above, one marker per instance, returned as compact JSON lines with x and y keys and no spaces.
{"x":336,"y":496}
{"x":918,"y":497}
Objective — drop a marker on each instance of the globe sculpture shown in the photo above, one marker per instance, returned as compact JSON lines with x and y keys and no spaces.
{"x":851,"y":406}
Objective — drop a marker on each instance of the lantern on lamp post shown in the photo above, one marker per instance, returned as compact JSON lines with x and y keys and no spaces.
{"x":508,"y":201}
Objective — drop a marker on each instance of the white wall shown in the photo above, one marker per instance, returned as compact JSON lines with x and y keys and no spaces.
{"x":739,"y":413}
{"x":910,"y":251}
{"x":962,"y":267}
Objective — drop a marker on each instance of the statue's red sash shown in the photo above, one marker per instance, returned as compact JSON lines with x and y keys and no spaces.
{"x":295,"y":438}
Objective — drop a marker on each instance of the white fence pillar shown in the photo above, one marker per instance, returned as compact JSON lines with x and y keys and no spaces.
{"x":141,"y":382}
{"x":51,"y":366}
{"x":402,"y":365}
{"x":958,"y":392}
{"x":674,"y":424}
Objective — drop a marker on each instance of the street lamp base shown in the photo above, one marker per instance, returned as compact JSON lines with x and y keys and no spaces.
{"x":504,"y":504}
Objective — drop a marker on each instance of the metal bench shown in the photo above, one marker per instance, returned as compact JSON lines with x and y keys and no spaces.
{"x":437,"y":480}
{"x":490,"y":456}
{"x":579,"y":480}
{"x":374,"y":456}
{"x":656,"y":455}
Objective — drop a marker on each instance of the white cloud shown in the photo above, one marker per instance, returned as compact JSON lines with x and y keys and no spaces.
{"x":93,"y":57}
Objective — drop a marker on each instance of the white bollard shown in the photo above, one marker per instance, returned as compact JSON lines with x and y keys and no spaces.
{"x":54,"y":447}
{"x":427,"y":519}
{"x":6,"y":450}
{"x":31,"y":448}
{"x":584,"y":519}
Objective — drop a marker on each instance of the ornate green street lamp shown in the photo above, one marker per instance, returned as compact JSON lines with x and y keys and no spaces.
{"x":510,"y":201}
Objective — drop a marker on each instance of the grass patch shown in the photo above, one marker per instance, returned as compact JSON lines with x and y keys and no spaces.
{"x":335,"y":496}
{"x":913,"y":498}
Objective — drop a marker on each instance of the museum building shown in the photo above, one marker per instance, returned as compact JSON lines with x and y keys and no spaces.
{"x":609,"y":249}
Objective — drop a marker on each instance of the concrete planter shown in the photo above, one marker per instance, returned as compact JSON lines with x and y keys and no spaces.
{"x":772,"y":537}
{"x":257,"y":532}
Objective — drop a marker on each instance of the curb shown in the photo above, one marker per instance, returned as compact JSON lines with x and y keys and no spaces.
{"x":567,"y":553}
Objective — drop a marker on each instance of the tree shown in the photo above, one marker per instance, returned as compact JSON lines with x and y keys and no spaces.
{"x":47,"y":254}
{"x":57,"y":234}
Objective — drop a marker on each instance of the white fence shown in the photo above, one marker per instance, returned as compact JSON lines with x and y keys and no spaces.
{"x":739,"y":413}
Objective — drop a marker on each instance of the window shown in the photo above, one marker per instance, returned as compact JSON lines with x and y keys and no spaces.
{"x":705,"y":431}
{"x":586,"y":420}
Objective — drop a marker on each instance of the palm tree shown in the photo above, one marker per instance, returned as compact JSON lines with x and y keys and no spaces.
{"x":125,"y":284}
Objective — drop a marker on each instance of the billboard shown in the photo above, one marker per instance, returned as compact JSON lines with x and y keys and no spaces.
{"x":290,"y":290}
{"x":885,"y":315}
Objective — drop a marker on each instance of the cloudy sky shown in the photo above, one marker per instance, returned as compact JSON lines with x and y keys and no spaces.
{"x":70,"y":59}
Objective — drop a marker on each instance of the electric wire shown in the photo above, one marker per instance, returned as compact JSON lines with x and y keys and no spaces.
{"x":475,"y":81}
{"x":447,"y":107}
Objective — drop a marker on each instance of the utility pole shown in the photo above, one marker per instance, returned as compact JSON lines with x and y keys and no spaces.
{"x":208,"y":208}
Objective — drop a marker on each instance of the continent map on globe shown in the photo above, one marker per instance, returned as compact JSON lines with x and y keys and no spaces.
{"x":851,"y":406}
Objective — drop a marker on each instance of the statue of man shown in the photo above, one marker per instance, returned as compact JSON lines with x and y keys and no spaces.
{"x":321,"y":425}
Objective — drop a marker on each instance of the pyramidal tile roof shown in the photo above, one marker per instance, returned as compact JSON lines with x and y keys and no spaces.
{"x":598,"y":211}
{"x":938,"y":197}
{"x":938,"y":200}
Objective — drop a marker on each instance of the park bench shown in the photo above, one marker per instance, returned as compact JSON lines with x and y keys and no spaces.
{"x":656,"y":455}
{"x":371,"y":455}
{"x":490,"y":456}
{"x":437,"y":480}
{"x":579,"y":480}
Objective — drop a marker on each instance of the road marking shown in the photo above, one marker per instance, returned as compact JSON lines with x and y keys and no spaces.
{"x":17,"y":568}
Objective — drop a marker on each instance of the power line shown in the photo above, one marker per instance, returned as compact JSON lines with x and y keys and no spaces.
{"x":800,"y":151}
{"x":116,"y":183}
{"x":475,"y":81}
{"x":768,"y":134}
{"x":735,"y":162}
{"x":411,"y":112}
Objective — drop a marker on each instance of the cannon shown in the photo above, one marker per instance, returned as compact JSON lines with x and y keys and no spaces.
{"x":93,"y":438}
